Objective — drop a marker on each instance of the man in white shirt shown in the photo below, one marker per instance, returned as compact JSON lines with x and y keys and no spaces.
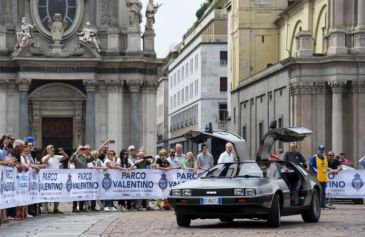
{"x":53,"y":161}
{"x":174,"y":163}
{"x":179,"y":156}
{"x":227,"y":156}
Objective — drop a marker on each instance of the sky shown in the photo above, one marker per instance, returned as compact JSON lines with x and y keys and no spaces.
{"x":173,"y":19}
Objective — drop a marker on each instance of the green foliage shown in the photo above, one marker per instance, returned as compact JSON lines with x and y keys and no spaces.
{"x":203,"y":7}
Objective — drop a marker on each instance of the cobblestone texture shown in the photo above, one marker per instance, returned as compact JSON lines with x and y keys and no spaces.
{"x":345,"y":220}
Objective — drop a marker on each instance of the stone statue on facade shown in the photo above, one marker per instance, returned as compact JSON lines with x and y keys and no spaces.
{"x":24,"y":36}
{"x":151,"y":10}
{"x":135,"y":16}
{"x":88,"y":37}
{"x":57,"y":26}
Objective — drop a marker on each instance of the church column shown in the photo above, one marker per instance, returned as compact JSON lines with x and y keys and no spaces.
{"x":337,"y":115}
{"x":23,"y":87}
{"x":302,"y":93}
{"x":359,"y":36}
{"x":113,"y":115}
{"x":3,"y":87}
{"x":135,"y":112}
{"x":36,"y":119}
{"x":90,"y":112}
{"x":337,"y":41}
{"x":361,"y":14}
{"x":149,"y":117}
{"x":358,"y":125}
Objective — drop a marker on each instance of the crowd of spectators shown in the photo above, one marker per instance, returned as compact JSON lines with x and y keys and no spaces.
{"x":22,"y":155}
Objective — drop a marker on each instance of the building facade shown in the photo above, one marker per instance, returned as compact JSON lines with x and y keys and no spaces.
{"x":198,"y":79}
{"x":75,"y":72}
{"x":317,"y":82}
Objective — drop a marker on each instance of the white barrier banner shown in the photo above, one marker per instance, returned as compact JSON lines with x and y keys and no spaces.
{"x":346,"y":184}
{"x":17,"y":189}
{"x":8,"y":187}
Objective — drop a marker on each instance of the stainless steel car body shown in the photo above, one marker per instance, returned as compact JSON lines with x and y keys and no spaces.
{"x":221,"y":196}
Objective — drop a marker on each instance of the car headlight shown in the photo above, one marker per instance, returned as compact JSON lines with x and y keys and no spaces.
{"x":176,"y":192}
{"x":250,"y":192}
{"x":186,"y":192}
{"x":239,"y":192}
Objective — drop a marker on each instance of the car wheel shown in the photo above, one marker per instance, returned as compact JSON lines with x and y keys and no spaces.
{"x":226,"y":219}
{"x":314,"y":212}
{"x":273,"y":218}
{"x":183,"y":221}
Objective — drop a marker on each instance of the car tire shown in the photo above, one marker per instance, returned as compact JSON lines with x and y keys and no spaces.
{"x":183,"y":220}
{"x":226,"y":219}
{"x":273,"y":218}
{"x":313,"y":214}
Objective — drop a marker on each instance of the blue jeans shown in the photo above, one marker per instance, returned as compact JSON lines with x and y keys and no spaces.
{"x":323,"y":194}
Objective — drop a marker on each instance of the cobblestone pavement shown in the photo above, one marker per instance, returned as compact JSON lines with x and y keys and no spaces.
{"x":345,"y":220}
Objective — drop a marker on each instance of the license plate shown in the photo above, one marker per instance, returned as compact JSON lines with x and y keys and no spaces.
{"x":210,"y":201}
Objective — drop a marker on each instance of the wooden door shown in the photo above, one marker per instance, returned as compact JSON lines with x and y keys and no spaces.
{"x":58,"y":132}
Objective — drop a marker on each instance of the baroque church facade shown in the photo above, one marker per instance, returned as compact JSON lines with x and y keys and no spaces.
{"x":78,"y":72}
{"x":302,"y":64}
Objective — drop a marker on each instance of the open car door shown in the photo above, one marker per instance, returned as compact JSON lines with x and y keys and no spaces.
{"x":291,"y":134}
{"x":239,"y":144}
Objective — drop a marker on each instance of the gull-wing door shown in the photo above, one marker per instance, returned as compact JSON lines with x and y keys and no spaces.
{"x":239,"y":144}
{"x":291,"y":134}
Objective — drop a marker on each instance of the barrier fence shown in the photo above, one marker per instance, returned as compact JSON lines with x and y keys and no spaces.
{"x":64,"y":185}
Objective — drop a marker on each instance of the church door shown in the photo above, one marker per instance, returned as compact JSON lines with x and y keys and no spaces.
{"x":58,"y":132}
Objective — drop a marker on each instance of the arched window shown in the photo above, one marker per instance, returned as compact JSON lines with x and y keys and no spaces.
{"x":43,"y":11}
{"x":47,"y":8}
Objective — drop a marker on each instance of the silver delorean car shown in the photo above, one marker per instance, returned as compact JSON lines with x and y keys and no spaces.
{"x":254,"y":189}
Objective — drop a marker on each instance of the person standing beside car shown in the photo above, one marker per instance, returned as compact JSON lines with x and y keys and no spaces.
{"x":293,"y":155}
{"x":344,"y":160}
{"x":335,"y":165}
{"x":204,"y":160}
{"x":319,"y":167}
{"x":227,"y":156}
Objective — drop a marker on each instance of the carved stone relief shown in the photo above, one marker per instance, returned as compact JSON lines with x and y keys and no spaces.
{"x":106,"y":13}
{"x":337,"y":86}
{"x":7,"y":9}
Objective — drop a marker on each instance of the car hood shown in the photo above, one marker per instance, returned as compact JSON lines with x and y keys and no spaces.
{"x":239,"y":144}
{"x":291,"y":134}
{"x":218,"y":183}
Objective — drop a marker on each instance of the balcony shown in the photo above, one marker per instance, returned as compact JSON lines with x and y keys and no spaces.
{"x":213,"y":38}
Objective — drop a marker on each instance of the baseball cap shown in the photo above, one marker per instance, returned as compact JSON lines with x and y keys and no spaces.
{"x":320,"y":147}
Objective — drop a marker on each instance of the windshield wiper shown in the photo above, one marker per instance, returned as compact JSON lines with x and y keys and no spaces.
{"x":218,"y":177}
{"x":249,"y":176}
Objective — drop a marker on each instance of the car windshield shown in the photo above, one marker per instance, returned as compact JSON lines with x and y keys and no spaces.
{"x":230,"y":170}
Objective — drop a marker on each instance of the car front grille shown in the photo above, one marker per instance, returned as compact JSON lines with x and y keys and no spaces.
{"x":212,"y":192}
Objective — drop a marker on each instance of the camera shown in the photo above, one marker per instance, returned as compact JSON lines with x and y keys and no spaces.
{"x":83,"y":149}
